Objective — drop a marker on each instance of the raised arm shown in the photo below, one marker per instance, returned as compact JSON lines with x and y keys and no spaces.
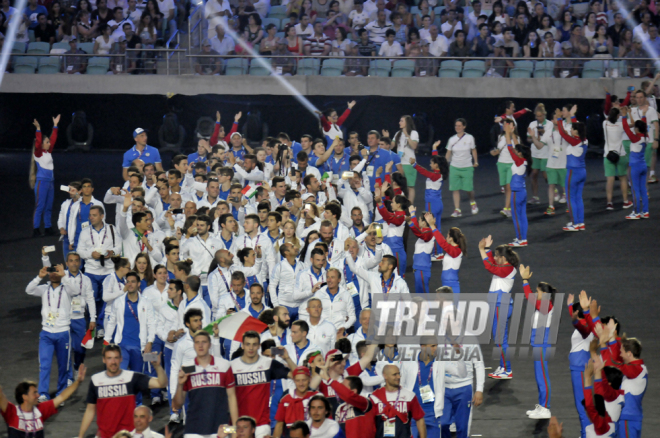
{"x":570,"y":139}
{"x":634,"y":137}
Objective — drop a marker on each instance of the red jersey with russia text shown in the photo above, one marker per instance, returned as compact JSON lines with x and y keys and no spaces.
{"x":207,"y":393}
{"x":401,"y":405}
{"x":22,"y":424}
{"x":114,"y":398}
{"x":253,"y":386}
{"x":329,"y":392}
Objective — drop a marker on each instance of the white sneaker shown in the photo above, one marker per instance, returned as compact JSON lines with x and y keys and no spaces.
{"x":42,"y":399}
{"x":156,"y":401}
{"x":562,"y":200}
{"x":437,"y":257}
{"x":175,"y":418}
{"x":506,"y":212}
{"x":100,"y":334}
{"x":536,"y":408}
{"x":475,"y":209}
{"x":540,"y":414}
{"x":556,"y":197}
{"x":456,"y":213}
{"x":534,"y":200}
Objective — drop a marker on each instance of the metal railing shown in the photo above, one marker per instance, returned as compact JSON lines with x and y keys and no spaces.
{"x":193,"y":27}
{"x":443,"y":67}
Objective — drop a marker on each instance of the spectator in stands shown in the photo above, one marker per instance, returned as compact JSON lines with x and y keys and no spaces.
{"x":424,"y":67}
{"x":640,"y":9}
{"x":84,"y":5}
{"x":531,"y":45}
{"x":564,"y":28}
{"x":304,"y":29}
{"x":521,"y":8}
{"x":654,"y":40}
{"x":615,"y":30}
{"x":601,"y":43}
{"x":390,"y":48}
{"x":550,"y":48}
{"x":253,"y":31}
{"x":459,"y":48}
{"x":472,"y":20}
{"x":122,"y":65}
{"x":539,"y":15}
{"x":400,"y":29}
{"x":358,"y":17}
{"x":208,"y":65}
{"x":498,"y":65}
{"x":268,"y":44}
{"x":565,"y":67}
{"x":354,"y":66}
{"x":425,"y":30}
{"x":596,"y":7}
{"x":44,"y":32}
{"x":584,"y":49}
{"x":547,"y":27}
{"x":380,"y":6}
{"x":482,"y":44}
{"x":496,"y":31}
{"x":589,"y":28}
{"x":413,"y":41}
{"x":116,"y":23}
{"x":86,"y":32}
{"x":510,"y":45}
{"x":132,"y":40}
{"x":499,"y":16}
{"x":262,"y":7}
{"x":424,"y":10}
{"x":642,"y":29}
{"x":438,"y":44}
{"x":451,"y":26}
{"x":32,"y":12}
{"x":294,"y":43}
{"x":341,"y":45}
{"x":147,"y":32}
{"x":318,"y":44}
{"x":133,"y":13}
{"x":346,"y":6}
{"x":74,"y":64}
{"x":102,"y":14}
{"x":217,"y":12}
{"x":378,"y":28}
{"x":625,"y":42}
{"x":311,"y":9}
{"x":638,"y":68}
{"x":58,"y":19}
{"x":520,"y":30}
{"x":330,"y":26}
{"x":576,"y":36}
{"x":341,"y":18}
{"x":293,"y":20}
{"x":103,"y":43}
{"x":365,"y":47}
{"x":242,"y":12}
{"x":283,"y":66}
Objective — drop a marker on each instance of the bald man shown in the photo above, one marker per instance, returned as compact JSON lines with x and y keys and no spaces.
{"x":142,"y":418}
{"x":397,"y":407}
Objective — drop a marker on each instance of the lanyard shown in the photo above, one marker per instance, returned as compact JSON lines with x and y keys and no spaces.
{"x":419,"y":375}
{"x":255,"y":243}
{"x":330,"y":249}
{"x":91,"y":234}
{"x":224,"y":279}
{"x":131,"y":307}
{"x":389,"y":286}
{"x":29,"y":431}
{"x":59,"y":299}
{"x":139,"y":239}
{"x":311,"y":280}
{"x":233,"y":297}
{"x":81,"y":279}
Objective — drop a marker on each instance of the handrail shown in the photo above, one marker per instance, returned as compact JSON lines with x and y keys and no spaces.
{"x":396,"y":58}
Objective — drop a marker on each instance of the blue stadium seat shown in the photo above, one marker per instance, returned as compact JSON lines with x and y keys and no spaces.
{"x":332,"y":67}
{"x":25,"y":64}
{"x":380,"y":67}
{"x":309,"y":67}
{"x":257,"y":69}
{"x":474,"y":69}
{"x":450,"y":69}
{"x":49,"y":65}
{"x":403,"y":68}
{"x":98,"y":66}
{"x":39,"y":48}
{"x":236,"y":67}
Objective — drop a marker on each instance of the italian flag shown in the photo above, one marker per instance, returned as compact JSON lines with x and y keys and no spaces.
{"x":326,"y":175}
{"x":88,"y":339}
{"x":235,"y":325}
{"x":249,"y":191}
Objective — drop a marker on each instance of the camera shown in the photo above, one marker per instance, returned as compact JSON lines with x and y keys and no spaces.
{"x":51,"y":269}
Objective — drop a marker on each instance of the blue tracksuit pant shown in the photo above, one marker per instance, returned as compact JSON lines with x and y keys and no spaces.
{"x":53,"y":344}
{"x":44,"y":193}
{"x":630,"y":429}
{"x":541,"y":370}
{"x":131,"y":359}
{"x":97,"y":286}
{"x":458,"y":402}
{"x":78,"y":330}
{"x":640,"y":195}
{"x":156,"y":347}
{"x":577,"y":379}
{"x":505,"y":341}
{"x":575,"y":179}
{"x":519,"y":214}
{"x":396,"y":243}
{"x":434,"y":206}
{"x":422,"y":277}
{"x":432,"y":423}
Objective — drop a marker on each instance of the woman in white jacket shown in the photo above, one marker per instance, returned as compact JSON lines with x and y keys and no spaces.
{"x":614,"y":150}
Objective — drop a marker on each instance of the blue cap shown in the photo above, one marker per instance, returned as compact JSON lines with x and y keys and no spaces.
{"x":137,"y":132}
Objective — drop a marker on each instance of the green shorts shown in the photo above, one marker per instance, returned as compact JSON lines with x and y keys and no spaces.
{"x":504,"y":169}
{"x":461,"y":178}
{"x":556,"y":176}
{"x":618,"y":169}
{"x":648,"y":153}
{"x":411,"y":174}
{"x":539,"y":163}
{"x":626,"y":146}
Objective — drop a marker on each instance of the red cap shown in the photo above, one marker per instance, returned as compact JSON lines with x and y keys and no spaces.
{"x":332,"y":353}
{"x":301,"y":370}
